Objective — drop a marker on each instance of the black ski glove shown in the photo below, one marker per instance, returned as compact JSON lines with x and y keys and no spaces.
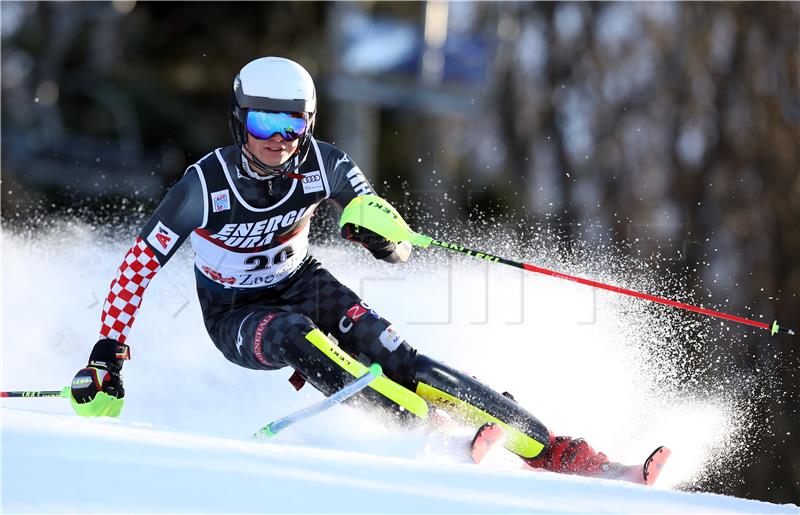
{"x":380,"y":247}
{"x":102,"y":373}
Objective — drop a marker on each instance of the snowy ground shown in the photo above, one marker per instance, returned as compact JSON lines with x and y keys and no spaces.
{"x":126,"y":467}
{"x":183,"y":442}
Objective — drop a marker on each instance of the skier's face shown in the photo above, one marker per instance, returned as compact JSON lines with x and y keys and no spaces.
{"x":273,"y":151}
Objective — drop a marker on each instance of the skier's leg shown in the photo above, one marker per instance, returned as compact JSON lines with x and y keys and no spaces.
{"x":358,"y":329}
{"x":264,"y":337}
{"x":363,"y":332}
{"x":476,"y":403}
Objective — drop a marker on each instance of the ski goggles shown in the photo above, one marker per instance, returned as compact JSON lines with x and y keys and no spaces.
{"x":264,"y":124}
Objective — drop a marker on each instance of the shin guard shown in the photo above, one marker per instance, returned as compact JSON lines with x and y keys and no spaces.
{"x":328,"y":368}
{"x":475,"y":403}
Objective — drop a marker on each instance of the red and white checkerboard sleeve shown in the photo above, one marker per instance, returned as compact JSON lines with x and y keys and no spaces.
{"x":125,"y":296}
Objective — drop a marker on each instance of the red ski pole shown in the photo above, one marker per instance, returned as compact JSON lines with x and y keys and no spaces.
{"x":379,"y":216}
{"x":774,"y":328}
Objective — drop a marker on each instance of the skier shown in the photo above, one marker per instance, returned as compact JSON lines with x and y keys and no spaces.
{"x":266,"y":302}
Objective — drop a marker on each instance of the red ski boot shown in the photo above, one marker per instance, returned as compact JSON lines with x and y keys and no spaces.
{"x":575,"y":456}
{"x":571,"y":456}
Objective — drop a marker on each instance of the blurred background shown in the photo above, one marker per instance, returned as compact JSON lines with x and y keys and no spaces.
{"x":671,"y":128}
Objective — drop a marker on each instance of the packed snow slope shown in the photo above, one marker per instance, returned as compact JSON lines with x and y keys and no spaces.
{"x":58,"y":463}
{"x":580,"y":360}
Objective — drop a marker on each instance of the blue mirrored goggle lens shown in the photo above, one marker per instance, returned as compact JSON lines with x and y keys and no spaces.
{"x":263,"y":124}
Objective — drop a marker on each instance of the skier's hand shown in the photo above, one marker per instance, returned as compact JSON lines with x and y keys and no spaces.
{"x":97,"y":390}
{"x":380,"y":247}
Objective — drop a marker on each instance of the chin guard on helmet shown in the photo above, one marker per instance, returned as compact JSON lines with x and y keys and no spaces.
{"x":272,"y":84}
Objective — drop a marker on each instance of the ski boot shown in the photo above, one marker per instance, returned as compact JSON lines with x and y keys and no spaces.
{"x":575,"y":456}
{"x":571,"y":456}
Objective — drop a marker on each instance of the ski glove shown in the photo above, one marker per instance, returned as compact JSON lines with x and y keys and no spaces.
{"x":97,"y":389}
{"x":380,"y":247}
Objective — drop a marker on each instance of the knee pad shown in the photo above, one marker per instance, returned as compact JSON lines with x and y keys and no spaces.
{"x":254,"y":337}
{"x":475,"y":403}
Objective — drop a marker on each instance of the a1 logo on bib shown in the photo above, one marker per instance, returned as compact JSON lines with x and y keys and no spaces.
{"x":220,"y":201}
{"x":162,"y":238}
{"x":312,"y":182}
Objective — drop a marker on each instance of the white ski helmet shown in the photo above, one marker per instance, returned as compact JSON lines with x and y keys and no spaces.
{"x":272,"y":84}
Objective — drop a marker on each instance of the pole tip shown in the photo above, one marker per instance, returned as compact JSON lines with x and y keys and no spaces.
{"x":778,"y":329}
{"x":375,"y":369}
{"x":265,"y":432}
